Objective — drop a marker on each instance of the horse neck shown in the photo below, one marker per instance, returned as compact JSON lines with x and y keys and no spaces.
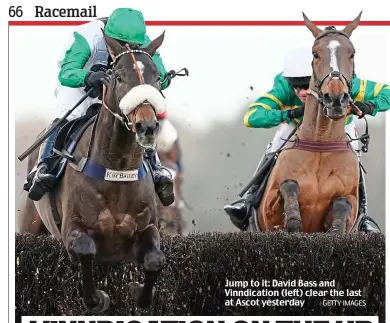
{"x":317,"y":127}
{"x":114,"y":146}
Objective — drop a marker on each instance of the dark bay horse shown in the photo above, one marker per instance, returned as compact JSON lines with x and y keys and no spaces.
{"x":314,"y":184}
{"x":113,"y":218}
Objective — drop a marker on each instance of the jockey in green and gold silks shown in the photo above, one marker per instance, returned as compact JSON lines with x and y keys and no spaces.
{"x":275,"y":107}
{"x":283,"y":106}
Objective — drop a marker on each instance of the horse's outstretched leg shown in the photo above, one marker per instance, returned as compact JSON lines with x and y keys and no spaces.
{"x":289,"y":189}
{"x":341,"y":209}
{"x":148,"y":253}
{"x":82,"y":249}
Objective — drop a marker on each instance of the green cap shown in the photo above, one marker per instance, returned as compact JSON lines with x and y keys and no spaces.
{"x":127,"y":25}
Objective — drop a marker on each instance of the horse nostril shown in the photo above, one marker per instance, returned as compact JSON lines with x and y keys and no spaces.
{"x":345,"y":99}
{"x":139,"y":128}
{"x":327,"y":98}
{"x":151,"y":129}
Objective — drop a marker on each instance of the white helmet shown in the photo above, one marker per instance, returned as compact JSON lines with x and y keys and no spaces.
{"x":297,"y":63}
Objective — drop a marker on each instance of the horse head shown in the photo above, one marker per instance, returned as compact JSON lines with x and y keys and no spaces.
{"x":333,"y":67}
{"x":134,"y":89}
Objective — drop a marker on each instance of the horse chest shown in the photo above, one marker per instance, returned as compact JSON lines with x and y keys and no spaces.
{"x":116,"y":208}
{"x":326,"y":180}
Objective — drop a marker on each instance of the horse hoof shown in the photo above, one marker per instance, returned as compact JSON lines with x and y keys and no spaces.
{"x":293,"y":226}
{"x":154,"y":260}
{"x":143,"y":301}
{"x":102,"y":305}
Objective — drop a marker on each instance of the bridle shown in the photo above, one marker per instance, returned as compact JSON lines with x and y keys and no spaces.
{"x":316,"y":92}
{"x":123,"y":118}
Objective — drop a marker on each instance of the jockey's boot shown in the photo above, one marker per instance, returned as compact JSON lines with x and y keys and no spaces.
{"x":238,"y":210}
{"x":367,"y":224}
{"x":163,"y":183}
{"x":42,"y":181}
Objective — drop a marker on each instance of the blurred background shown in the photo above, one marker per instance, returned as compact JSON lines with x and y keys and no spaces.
{"x":219,"y":153}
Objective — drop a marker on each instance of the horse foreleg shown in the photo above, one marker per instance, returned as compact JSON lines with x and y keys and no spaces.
{"x":289,"y":189}
{"x":341,"y":209}
{"x":82,"y":249}
{"x":148,"y":253}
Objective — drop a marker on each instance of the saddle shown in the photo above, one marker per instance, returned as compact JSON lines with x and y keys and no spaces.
{"x":67,"y":139}
{"x":65,"y":143}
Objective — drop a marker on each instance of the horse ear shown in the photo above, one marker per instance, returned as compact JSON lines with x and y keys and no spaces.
{"x":311,"y":26}
{"x":113,"y":45}
{"x":352,"y":25}
{"x":155,"y":44}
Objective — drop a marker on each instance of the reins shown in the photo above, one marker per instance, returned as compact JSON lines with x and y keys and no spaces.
{"x":123,"y":118}
{"x":316,"y":146}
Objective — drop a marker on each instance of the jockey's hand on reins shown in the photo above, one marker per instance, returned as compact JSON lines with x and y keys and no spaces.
{"x":364,"y":108}
{"x":353,"y":109}
{"x":296,"y":113}
{"x":96,"y":80}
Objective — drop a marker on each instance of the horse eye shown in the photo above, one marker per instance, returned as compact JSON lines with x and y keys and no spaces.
{"x":353,"y":55}
{"x":315,"y":55}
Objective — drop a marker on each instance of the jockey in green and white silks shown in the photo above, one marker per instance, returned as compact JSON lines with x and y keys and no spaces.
{"x":86,"y":51}
{"x":283,"y":106}
{"x":83,"y":65}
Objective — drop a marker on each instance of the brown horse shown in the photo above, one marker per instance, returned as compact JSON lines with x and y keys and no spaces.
{"x":172,"y":215}
{"x":314,"y":184}
{"x":113,"y":218}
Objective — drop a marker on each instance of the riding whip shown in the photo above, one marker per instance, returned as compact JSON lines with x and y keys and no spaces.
{"x":53,"y":127}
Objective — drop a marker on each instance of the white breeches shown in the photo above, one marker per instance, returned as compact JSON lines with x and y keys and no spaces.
{"x":67,"y":98}
{"x":286,"y":128}
{"x":166,"y":136}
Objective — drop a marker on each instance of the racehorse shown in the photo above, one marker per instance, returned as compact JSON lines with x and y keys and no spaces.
{"x":172,"y":215}
{"x":113,"y":218}
{"x":313,"y":186}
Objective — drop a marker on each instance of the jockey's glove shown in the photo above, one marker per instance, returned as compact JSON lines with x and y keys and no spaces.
{"x":96,"y":80}
{"x":365,"y":108}
{"x":295,"y":113}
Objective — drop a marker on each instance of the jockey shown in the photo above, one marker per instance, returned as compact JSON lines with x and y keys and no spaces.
{"x":83,"y":66}
{"x":284,"y":106}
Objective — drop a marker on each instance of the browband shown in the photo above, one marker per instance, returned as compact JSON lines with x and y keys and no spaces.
{"x":331,"y":30}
